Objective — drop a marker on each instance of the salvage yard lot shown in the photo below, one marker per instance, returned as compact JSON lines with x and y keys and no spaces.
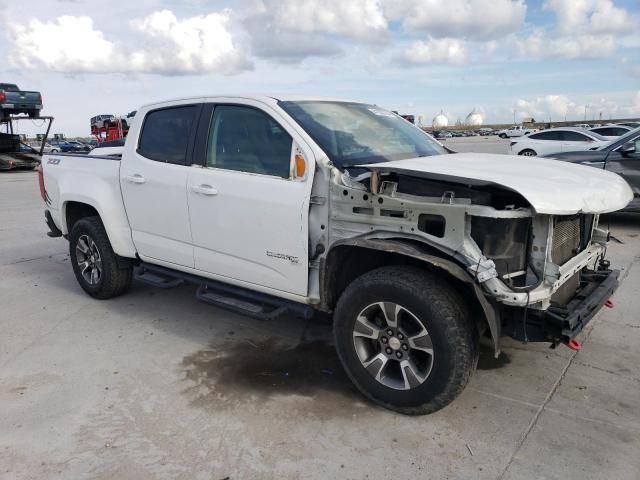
{"x":156,"y":385}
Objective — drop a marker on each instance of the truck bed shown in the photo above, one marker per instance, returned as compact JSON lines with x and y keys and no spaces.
{"x":92,"y":180}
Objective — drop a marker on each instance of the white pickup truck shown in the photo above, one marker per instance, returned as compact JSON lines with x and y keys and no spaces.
{"x":516,"y":131}
{"x":276,"y":206}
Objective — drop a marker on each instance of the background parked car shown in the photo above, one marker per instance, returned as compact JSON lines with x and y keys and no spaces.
{"x":611,"y":132}
{"x":556,"y":140}
{"x":65,"y":147}
{"x":48,"y":148}
{"x":630,"y":124}
{"x":80,"y":146}
{"x":516,"y":131}
{"x":105,"y":120}
{"x":621,"y":156}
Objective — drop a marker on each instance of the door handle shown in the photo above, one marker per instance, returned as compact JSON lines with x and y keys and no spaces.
{"x":135,"y":178}
{"x":204,"y":189}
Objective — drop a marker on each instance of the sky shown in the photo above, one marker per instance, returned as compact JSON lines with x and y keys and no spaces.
{"x":547,"y":59}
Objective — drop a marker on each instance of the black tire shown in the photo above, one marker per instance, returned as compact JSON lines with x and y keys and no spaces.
{"x":442,"y":311}
{"x":503,"y":135}
{"x":527,"y":152}
{"x":33,"y":113}
{"x":113,"y":280}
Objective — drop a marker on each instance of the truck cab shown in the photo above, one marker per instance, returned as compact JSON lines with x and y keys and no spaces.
{"x":295,"y":205}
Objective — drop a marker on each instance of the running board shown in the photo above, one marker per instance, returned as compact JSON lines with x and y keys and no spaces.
{"x":239,"y":304}
{"x":240,"y":300}
{"x":156,"y":279}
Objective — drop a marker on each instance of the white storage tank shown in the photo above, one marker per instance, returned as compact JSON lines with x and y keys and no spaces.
{"x":474,"y":119}
{"x":440,"y":120}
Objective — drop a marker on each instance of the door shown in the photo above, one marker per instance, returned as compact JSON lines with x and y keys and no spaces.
{"x":153,"y":177}
{"x":627,"y":165}
{"x":248,"y":208}
{"x":574,"y":141}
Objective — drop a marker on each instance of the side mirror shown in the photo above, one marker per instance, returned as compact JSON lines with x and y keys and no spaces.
{"x":628,"y":148}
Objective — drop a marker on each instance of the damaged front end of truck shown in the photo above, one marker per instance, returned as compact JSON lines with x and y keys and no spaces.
{"x":523,"y":238}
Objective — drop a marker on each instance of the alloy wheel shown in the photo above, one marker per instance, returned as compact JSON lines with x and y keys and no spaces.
{"x":89,"y":259}
{"x":393,"y":345}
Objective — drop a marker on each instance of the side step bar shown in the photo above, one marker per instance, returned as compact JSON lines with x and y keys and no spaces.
{"x":229,"y":297}
{"x":142,"y":274}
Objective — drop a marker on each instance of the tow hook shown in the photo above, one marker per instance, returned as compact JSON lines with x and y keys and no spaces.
{"x":574,"y":345}
{"x":609,"y":304}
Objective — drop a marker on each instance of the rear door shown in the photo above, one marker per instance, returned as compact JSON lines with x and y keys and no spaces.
{"x":249,"y":211}
{"x":543,"y":143}
{"x":153,"y":177}
{"x":574,"y":141}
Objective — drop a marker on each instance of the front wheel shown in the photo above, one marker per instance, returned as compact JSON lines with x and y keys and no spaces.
{"x":527,"y":152}
{"x":406,"y":339}
{"x":94,"y":261}
{"x":503,"y":135}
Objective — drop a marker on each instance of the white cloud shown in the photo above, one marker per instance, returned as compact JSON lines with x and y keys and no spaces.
{"x":438,"y":50}
{"x":540,"y":44}
{"x":549,"y":107}
{"x":170,"y":46}
{"x":558,"y":107}
{"x":196,"y":44}
{"x":290,"y":30}
{"x":70,"y":44}
{"x":473,"y":19}
{"x":591,"y":16}
{"x":362,"y":19}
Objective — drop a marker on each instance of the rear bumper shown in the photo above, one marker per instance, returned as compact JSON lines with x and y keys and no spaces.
{"x":572,"y":318}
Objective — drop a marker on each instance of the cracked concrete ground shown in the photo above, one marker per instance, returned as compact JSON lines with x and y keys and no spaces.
{"x":155,"y":385}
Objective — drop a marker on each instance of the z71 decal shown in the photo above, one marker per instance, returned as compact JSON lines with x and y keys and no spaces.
{"x":53,"y":161}
{"x":283,"y":256}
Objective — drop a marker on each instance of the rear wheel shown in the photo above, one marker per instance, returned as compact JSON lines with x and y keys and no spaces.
{"x":94,"y":262}
{"x":406,"y":339}
{"x":527,"y":152}
{"x":33,"y":113}
{"x":503,"y":135}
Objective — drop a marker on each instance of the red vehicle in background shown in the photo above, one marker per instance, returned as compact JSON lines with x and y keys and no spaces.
{"x":109,"y":128}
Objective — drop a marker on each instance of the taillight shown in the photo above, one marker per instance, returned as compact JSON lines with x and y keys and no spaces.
{"x":43,"y":192}
{"x":3,"y":97}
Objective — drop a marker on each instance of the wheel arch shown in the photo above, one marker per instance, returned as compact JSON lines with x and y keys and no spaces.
{"x":74,"y":208}
{"x":351,"y":258}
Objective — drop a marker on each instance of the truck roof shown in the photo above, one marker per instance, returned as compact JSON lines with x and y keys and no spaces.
{"x":265,"y":98}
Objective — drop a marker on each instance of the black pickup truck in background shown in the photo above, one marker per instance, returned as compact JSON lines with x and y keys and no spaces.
{"x":13,"y":101}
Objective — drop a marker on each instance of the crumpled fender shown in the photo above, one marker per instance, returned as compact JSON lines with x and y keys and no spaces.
{"x":456,"y":271}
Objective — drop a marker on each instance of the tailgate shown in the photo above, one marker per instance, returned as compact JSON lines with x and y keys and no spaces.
{"x":22,"y":99}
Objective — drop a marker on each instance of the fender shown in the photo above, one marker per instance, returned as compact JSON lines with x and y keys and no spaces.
{"x":400,"y":247}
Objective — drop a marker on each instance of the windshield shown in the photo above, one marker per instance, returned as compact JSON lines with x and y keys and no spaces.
{"x":356,"y":134}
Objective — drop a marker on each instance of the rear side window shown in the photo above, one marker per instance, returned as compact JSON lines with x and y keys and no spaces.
{"x":545,"y":136}
{"x":611,"y":131}
{"x":9,"y":87}
{"x":246,"y":139}
{"x":568,"y":136}
{"x":166,"y":133}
